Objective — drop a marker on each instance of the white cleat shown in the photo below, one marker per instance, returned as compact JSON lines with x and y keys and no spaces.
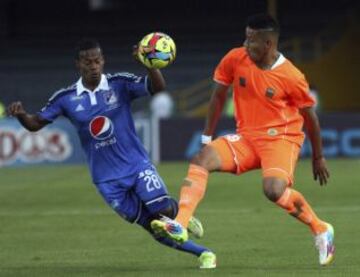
{"x":324,"y":242}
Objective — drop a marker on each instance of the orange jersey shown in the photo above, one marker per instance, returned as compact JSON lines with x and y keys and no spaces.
{"x":266,"y":102}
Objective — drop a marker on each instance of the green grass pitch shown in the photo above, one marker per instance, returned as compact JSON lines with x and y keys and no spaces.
{"x":53,"y":223}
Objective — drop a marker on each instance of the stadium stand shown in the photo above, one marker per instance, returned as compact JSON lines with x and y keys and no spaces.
{"x":39,"y":36}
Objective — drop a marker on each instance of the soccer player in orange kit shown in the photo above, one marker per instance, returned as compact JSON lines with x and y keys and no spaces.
{"x":272,"y":102}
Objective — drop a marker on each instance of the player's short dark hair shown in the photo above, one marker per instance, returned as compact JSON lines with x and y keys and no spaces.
{"x":86,"y":44}
{"x":263,"y":22}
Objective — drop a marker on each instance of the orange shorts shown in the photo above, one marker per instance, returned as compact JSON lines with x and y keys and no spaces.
{"x":276,"y":158}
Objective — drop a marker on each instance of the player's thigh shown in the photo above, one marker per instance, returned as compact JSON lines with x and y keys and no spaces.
{"x":278,"y":159}
{"x":121,"y":199}
{"x":151,"y":190}
{"x":236,"y":154}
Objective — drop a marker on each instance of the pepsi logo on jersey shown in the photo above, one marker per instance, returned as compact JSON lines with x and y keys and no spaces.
{"x":101,"y":127}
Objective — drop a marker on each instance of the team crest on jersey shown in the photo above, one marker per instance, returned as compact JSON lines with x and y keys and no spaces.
{"x":270,"y":92}
{"x":110,"y":97}
{"x":101,"y":127}
{"x":272,"y":132}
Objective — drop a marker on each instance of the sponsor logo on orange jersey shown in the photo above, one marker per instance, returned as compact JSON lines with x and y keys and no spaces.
{"x":242,"y":82}
{"x":270,"y":92}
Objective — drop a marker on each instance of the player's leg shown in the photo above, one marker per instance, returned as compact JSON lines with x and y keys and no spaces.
{"x":278,"y":172}
{"x":207,"y":258}
{"x":151,"y":190}
{"x":231,"y":154}
{"x":192,"y":191}
{"x":167,"y":209}
{"x":215,"y":156}
{"x":295,"y":204}
{"x":121,"y":199}
{"x":276,"y":190}
{"x":126,"y":203}
{"x":169,"y":212}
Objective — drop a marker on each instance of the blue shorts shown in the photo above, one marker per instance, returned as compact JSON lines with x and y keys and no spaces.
{"x":142,"y":195}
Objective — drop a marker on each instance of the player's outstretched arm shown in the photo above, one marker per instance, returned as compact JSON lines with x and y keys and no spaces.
{"x":31,"y":122}
{"x":157,"y":80}
{"x":217,"y":102}
{"x":312,"y":126}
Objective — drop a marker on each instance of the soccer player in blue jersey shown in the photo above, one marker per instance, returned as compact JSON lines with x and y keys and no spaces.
{"x":98,"y":105}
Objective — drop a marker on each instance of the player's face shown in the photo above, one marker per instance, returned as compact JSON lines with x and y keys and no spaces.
{"x":255,"y":44}
{"x":90,"y":64}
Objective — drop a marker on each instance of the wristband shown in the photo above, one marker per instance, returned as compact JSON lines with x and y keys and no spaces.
{"x":206,"y":139}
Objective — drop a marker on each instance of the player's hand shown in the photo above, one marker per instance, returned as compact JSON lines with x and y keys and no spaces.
{"x":320,"y":171}
{"x":16,"y":109}
{"x":140,"y":49}
{"x":135,"y":52}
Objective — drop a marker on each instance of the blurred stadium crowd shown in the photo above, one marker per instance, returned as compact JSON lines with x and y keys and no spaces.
{"x":38,"y":50}
{"x":38,"y":39}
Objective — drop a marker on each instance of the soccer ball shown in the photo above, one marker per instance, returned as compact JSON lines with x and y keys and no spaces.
{"x":157,"y":50}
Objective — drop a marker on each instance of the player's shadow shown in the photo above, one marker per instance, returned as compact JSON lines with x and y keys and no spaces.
{"x":98,"y":271}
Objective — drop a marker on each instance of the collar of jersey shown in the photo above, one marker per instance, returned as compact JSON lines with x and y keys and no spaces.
{"x":103,"y":85}
{"x":281,"y":59}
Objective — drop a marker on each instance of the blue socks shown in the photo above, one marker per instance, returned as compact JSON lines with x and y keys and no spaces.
{"x":188,"y":246}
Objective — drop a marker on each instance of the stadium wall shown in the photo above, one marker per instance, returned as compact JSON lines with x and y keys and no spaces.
{"x":340,"y":134}
{"x":54,"y":144}
{"x":165,"y":140}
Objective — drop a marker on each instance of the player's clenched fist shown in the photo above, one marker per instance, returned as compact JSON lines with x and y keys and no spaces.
{"x":15,"y":109}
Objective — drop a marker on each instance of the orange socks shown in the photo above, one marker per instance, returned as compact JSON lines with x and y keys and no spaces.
{"x":192,"y":191}
{"x":194,"y":187}
{"x":296,"y":205}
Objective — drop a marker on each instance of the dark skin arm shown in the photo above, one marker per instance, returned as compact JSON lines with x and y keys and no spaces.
{"x":312,"y":126}
{"x":217,"y":102}
{"x":31,"y":122}
{"x":157,"y":80}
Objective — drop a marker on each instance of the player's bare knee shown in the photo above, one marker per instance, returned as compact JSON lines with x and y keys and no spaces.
{"x":201,"y":159}
{"x":273,"y":188}
{"x":207,"y":158}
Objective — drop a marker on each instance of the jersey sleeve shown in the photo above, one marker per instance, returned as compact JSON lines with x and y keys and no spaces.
{"x":52,"y":109}
{"x":300,"y":93}
{"x":139,"y":87}
{"x":136,"y":86}
{"x":224,"y":72}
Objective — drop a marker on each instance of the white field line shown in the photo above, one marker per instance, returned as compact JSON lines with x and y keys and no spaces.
{"x":336,"y":209}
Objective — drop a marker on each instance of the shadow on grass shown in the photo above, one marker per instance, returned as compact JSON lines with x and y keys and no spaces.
{"x":103,"y":271}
